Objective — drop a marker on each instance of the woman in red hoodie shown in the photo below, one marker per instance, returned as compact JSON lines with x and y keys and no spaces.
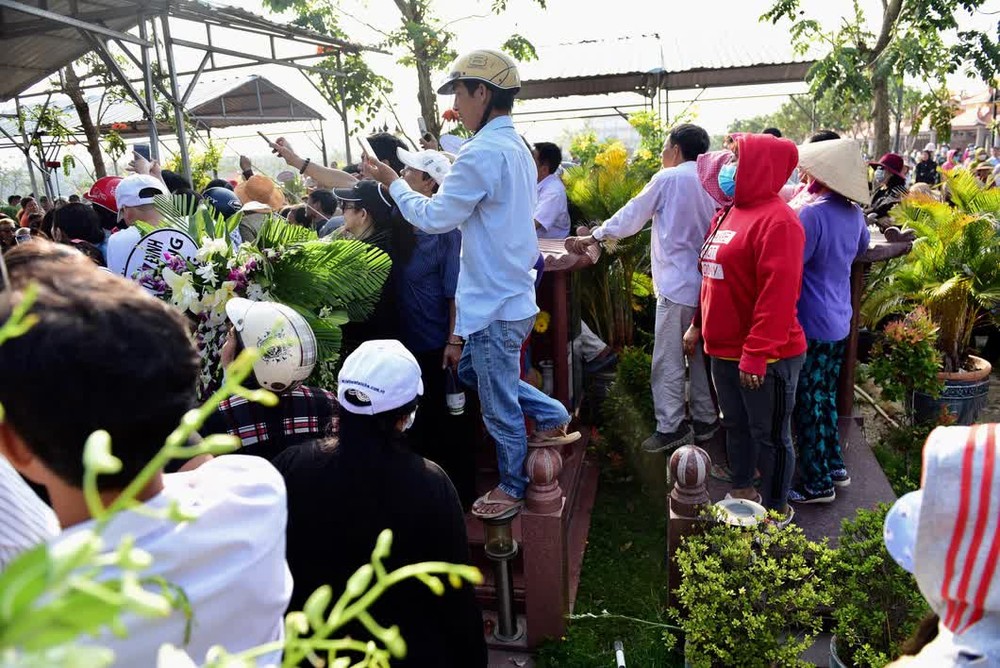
{"x":751,"y":267}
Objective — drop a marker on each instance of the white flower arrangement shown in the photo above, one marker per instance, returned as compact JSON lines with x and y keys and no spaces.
{"x":328,"y":281}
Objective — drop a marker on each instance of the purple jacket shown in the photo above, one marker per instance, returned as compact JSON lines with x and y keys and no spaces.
{"x":836,"y":233}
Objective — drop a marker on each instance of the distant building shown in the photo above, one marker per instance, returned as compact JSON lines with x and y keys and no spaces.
{"x":970,"y":126}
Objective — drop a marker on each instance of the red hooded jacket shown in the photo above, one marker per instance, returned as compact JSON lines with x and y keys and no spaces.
{"x":751,"y":263}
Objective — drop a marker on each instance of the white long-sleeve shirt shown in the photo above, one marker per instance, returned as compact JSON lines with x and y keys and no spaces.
{"x":490,"y":195}
{"x":552,"y":209}
{"x":681,"y":211}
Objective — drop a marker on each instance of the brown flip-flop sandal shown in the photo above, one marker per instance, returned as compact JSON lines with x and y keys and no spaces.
{"x":506,"y":507}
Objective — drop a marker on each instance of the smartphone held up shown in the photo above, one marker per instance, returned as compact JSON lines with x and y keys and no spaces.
{"x":366,"y":148}
{"x":424,"y":132}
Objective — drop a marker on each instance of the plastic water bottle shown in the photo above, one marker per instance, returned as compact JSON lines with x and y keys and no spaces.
{"x":454,"y":395}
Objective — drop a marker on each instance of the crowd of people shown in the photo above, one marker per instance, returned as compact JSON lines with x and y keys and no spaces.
{"x":459,"y":304}
{"x":751,"y":253}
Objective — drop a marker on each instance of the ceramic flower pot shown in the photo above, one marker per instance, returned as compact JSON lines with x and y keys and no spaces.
{"x":964,"y":395}
{"x":835,"y":661}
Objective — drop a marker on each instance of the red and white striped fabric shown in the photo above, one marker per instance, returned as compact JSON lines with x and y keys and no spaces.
{"x":957,"y":552}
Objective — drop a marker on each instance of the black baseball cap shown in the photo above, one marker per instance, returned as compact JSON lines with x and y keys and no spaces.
{"x":372,"y":197}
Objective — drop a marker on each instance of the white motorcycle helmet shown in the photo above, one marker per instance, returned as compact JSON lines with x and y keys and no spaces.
{"x":289,"y":360}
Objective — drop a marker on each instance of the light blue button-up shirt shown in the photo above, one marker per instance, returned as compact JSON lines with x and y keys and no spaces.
{"x":490,"y":195}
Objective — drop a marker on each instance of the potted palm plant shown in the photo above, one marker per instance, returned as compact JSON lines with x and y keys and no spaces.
{"x":954,"y":273}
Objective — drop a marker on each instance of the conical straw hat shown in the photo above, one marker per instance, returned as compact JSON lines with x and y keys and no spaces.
{"x":839,"y":166}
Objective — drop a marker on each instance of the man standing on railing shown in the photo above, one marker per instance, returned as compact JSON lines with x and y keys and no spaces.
{"x":490,"y":195}
{"x":681,"y":211}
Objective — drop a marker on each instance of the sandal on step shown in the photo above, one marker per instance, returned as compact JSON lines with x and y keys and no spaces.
{"x":504,"y":508}
{"x":554,"y":437}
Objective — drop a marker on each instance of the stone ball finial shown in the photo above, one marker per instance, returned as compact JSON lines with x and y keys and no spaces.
{"x":543,"y":466}
{"x":689,"y":467}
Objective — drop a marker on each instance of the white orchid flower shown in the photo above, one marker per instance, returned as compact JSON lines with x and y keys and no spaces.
{"x":183,"y":293}
{"x":214,"y":303}
{"x":207,"y":274}
{"x":210,"y":246}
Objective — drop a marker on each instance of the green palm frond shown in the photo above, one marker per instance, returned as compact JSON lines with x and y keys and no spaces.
{"x":339,"y":274}
{"x":963,"y":188}
{"x":327,"y":331}
{"x":182,"y":213}
{"x":954,"y":267}
{"x":278,"y":233}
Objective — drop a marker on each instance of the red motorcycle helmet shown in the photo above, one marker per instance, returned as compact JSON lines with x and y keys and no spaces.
{"x":102,"y":193}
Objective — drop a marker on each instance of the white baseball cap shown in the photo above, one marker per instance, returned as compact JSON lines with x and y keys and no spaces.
{"x":434,"y":163}
{"x":378,"y":377}
{"x":138,"y":190}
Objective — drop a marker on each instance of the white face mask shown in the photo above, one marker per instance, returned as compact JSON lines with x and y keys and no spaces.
{"x":880,"y":175}
{"x":409,"y":420}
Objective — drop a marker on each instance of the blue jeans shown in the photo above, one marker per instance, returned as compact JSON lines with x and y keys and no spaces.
{"x":491,"y":364}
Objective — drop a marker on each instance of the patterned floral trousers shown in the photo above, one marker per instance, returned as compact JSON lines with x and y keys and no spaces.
{"x":815,"y":417}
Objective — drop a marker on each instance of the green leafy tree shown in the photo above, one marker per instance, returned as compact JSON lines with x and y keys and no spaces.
{"x":953,"y":270}
{"x":859,"y":65}
{"x":358,"y":91}
{"x":66,"y":129}
{"x":799,"y":118}
{"x":422,"y":39}
{"x":204,"y":164}
{"x":70,"y":81}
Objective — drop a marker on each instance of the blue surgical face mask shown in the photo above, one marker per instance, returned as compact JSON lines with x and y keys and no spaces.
{"x":727,"y":180}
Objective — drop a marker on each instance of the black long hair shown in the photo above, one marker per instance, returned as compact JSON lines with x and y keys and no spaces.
{"x":371,"y":434}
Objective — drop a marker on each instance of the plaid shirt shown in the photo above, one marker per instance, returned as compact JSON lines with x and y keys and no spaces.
{"x":305,"y":413}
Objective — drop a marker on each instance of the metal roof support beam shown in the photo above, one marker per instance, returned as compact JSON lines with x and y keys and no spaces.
{"x":70,"y":21}
{"x":223,"y":68}
{"x":147,"y":70}
{"x":41,"y":26}
{"x":27,"y":145}
{"x":109,"y":60}
{"x":175,"y":90}
{"x":247,"y":56}
{"x":194,"y":81}
{"x":343,"y":106}
{"x":247,"y":120}
{"x":288,"y":32}
{"x":138,"y":63}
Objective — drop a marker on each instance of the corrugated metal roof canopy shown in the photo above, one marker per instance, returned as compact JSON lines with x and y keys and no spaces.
{"x":248,"y":100}
{"x":646,"y":63}
{"x":35,"y":47}
{"x":39,"y":37}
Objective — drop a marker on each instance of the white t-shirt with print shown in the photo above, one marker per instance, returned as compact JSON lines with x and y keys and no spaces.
{"x":120,"y":245}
